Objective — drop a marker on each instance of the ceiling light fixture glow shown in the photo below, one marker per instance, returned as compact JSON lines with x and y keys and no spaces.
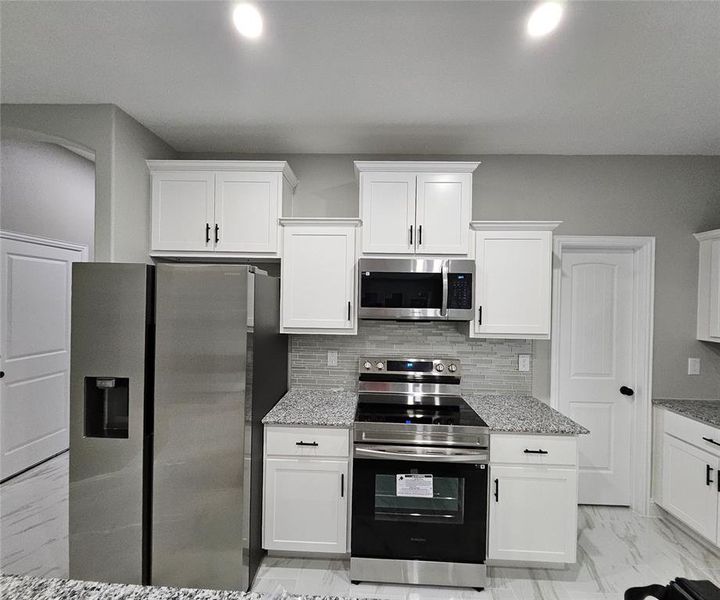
{"x":544,"y":19}
{"x":248,"y":20}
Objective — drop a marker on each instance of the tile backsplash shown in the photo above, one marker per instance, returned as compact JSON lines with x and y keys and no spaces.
{"x":488,"y":365}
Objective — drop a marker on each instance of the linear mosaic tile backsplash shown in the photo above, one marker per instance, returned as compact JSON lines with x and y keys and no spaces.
{"x":489,"y":366}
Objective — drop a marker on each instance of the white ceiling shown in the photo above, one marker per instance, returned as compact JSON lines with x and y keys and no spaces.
{"x":430,"y":77}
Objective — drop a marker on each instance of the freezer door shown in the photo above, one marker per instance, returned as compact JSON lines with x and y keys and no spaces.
{"x":110,"y":421}
{"x":201,"y":353}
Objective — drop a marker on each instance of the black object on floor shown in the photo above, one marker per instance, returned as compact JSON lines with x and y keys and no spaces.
{"x":680,"y":589}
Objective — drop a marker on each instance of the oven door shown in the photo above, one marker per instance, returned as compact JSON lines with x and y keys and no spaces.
{"x":412,"y":503}
{"x":402,"y":289}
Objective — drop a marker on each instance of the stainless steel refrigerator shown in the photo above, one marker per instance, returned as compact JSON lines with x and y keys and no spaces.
{"x":172,"y":369}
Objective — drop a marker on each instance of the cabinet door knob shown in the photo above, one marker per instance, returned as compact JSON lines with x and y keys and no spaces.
{"x":497,"y":490}
{"x":708,"y":472}
{"x":2,"y":374}
{"x":207,"y":233}
{"x":626,"y":391}
{"x":217,"y":233}
{"x":419,"y":235}
{"x":411,"y":228}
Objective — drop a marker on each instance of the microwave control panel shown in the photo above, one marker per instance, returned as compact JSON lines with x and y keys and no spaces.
{"x":460,"y":290}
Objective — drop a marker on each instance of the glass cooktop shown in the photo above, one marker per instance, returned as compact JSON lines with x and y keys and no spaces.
{"x":416,"y":410}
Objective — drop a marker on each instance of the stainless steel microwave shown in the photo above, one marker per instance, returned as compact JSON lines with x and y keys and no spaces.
{"x":420,"y":289}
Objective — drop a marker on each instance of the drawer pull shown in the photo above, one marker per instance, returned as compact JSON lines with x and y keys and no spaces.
{"x":526,"y":451}
{"x":708,"y":472}
{"x":712,"y":441}
{"x":301,"y":443}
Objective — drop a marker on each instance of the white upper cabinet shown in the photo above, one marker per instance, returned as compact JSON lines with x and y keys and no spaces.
{"x":415,"y":207}
{"x":182,"y":210}
{"x":708,"y":315}
{"x":218,"y":208}
{"x":247,"y":211}
{"x":513,"y":275}
{"x":443,"y":213}
{"x":388,"y":212}
{"x":317,"y":285}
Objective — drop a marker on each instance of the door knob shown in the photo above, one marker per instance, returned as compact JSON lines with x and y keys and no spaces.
{"x":626,"y":391}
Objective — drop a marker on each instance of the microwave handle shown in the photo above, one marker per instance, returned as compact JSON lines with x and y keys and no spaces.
{"x":445,"y":269}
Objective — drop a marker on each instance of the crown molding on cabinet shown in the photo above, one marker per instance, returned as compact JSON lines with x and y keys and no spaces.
{"x":707,"y":235}
{"x":514,"y":225}
{"x":263,"y":166}
{"x":413,"y":166}
{"x":332,"y":221}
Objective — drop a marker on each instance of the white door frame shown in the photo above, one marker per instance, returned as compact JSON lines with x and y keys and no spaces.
{"x":643,"y":249}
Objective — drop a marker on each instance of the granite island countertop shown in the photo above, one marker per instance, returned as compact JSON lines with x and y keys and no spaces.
{"x":36,"y":588}
{"x":705,"y":411}
{"x":522,"y":414}
{"x":322,"y":408}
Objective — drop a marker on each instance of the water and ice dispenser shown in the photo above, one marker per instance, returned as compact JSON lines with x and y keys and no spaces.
{"x":106,"y":407}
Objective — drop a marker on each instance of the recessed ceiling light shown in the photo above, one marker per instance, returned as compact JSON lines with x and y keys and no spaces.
{"x":248,"y":20}
{"x":544,"y":19}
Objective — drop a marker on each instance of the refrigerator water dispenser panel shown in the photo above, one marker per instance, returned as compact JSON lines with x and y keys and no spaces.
{"x":106,"y":407}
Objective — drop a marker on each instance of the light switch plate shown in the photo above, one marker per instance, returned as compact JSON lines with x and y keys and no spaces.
{"x":332,"y":358}
{"x":523,"y":362}
{"x":693,"y":366}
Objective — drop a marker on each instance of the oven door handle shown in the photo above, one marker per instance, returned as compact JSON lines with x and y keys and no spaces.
{"x":379,"y":454}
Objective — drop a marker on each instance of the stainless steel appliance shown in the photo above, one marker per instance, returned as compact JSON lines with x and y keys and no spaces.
{"x":417,"y":289}
{"x":169,"y":381}
{"x":420,"y":476}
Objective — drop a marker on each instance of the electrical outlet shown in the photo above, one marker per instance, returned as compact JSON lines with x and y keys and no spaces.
{"x":693,"y":366}
{"x":523,"y":362}
{"x":332,"y":358}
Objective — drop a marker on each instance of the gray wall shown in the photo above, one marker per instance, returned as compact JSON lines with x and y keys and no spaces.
{"x":122,"y":181}
{"x":489,"y":366}
{"x":47,"y":191}
{"x":669,"y":197}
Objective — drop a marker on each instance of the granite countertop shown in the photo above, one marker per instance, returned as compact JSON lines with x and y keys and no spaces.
{"x":328,"y":408}
{"x":705,"y":411}
{"x":522,"y":414}
{"x":36,"y":588}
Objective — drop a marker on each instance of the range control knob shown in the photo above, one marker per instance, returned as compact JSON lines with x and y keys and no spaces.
{"x":439,"y":367}
{"x":452,"y":367}
{"x":380,"y":366}
{"x":367,"y":364}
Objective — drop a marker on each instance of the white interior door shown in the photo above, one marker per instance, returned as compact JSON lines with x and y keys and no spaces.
{"x":596,"y":352}
{"x":35,"y":352}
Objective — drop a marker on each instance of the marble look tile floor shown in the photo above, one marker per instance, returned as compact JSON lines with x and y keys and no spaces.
{"x":617,"y":549}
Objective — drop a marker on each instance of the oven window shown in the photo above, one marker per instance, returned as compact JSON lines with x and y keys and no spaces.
{"x":401,"y":290}
{"x":445,"y":506}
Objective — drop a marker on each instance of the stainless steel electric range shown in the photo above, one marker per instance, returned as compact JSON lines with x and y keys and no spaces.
{"x":420,"y":476}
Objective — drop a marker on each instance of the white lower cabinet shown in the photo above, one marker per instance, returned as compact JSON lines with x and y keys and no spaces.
{"x":306,"y":489}
{"x":533,"y":514}
{"x":533,"y":499}
{"x":686,"y":485}
{"x":306,"y":504}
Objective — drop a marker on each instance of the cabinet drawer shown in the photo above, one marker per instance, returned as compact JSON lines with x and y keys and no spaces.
{"x":533,"y":449}
{"x":306,"y":441}
{"x":693,"y":432}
